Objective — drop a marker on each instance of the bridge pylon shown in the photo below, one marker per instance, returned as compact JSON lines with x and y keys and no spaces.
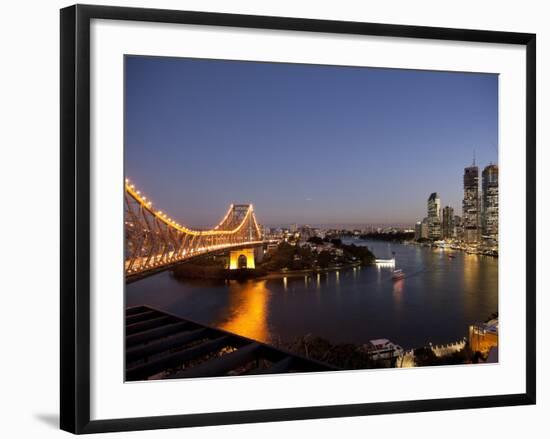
{"x":243,"y":258}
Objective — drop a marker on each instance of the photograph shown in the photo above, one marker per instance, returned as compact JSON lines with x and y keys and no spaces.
{"x":306,"y":218}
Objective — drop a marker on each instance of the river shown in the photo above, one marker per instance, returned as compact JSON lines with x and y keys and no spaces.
{"x":435,"y":302}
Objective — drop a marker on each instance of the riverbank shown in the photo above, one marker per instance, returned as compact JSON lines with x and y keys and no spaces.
{"x":299,"y":273}
{"x":191,"y":271}
{"x":470,"y":250}
{"x":286,"y":260}
{"x":350,"y":356}
{"x":195,"y":271}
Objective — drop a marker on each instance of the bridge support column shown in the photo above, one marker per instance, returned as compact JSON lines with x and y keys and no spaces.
{"x":241,"y":259}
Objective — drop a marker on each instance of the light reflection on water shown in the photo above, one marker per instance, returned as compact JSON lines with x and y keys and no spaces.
{"x":435,"y":302}
{"x":247,"y":310}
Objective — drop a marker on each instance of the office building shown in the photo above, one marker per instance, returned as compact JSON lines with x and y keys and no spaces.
{"x":448,"y":223}
{"x":489,"y":202}
{"x":421,"y":229}
{"x":470,"y":205}
{"x":458,"y":233}
{"x":434,"y":216}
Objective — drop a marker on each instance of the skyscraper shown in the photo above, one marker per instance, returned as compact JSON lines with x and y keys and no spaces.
{"x":470,"y":204}
{"x":489,"y":198}
{"x":434,"y":216}
{"x":448,"y":223}
{"x":421,"y":229}
{"x":418,"y":230}
{"x":458,"y":228}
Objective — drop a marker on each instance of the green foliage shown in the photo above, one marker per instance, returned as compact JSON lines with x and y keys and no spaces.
{"x":425,"y":357}
{"x":464,"y":356}
{"x":316,"y":240}
{"x":323,"y":260}
{"x":295,"y":257}
{"x":281,"y":257}
{"x":303,"y":258}
{"x":359,"y":252}
{"x":344,"y":356}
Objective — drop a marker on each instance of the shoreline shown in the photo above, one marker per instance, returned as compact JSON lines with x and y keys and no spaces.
{"x":453,"y":249}
{"x":431,"y":245}
{"x":299,"y":273}
{"x":226,"y":274}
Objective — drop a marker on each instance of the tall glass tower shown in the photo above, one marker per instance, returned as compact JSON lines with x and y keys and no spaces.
{"x":448,"y":225}
{"x":489,"y":198}
{"x":434,"y":216}
{"x":470,"y":205}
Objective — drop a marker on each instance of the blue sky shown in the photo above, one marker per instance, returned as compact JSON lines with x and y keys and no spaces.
{"x":303,"y":143}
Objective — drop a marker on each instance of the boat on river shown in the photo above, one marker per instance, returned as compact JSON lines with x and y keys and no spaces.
{"x":398,"y":274}
{"x":385,"y":262}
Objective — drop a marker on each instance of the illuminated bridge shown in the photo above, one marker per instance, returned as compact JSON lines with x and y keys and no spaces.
{"x":154,"y":241}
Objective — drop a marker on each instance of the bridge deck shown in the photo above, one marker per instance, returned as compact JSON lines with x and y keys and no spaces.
{"x":162,"y":346}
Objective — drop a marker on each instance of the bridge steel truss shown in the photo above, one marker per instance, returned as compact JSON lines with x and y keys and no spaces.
{"x":154,"y":241}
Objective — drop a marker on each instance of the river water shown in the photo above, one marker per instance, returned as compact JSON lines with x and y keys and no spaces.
{"x":435,"y":302}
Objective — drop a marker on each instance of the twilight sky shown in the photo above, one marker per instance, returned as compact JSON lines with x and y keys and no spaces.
{"x":305,"y":144}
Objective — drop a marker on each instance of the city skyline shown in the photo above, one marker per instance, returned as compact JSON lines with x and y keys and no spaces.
{"x":480,"y":206}
{"x":387,"y":139}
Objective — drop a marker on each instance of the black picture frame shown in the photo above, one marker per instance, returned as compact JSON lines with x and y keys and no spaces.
{"x":75,"y":217}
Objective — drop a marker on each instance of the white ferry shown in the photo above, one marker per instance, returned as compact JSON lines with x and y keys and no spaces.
{"x":385,"y":262}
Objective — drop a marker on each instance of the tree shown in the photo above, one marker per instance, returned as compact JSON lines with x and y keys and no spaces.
{"x":323,"y":260}
{"x":306,"y":255}
{"x":425,"y":357}
{"x":359,"y":252}
{"x":316,"y":240}
{"x":464,"y":356}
